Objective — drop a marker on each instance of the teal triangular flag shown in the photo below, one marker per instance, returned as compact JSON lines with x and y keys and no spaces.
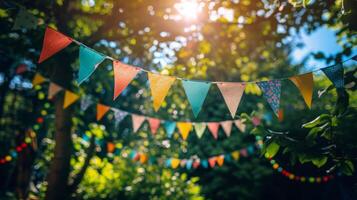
{"x":170,"y":128}
{"x":335,"y":74}
{"x":196,"y":93}
{"x":88,"y":62}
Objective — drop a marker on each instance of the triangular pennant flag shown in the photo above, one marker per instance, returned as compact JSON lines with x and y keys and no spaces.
{"x":86,"y":101}
{"x":101,"y":110}
{"x":183,"y":162}
{"x":335,"y":74}
{"x":53,"y":89}
{"x":271,"y":92}
{"x":184,"y":128}
{"x":235,"y":155}
{"x":170,"y":128}
{"x":204,"y":163}
{"x":196,"y":164}
{"x":213,"y":127}
{"x":89,"y":59}
{"x":38,"y":79}
{"x":137,"y":121}
{"x":232,"y":94}
{"x":200,"y":128}
{"x":143,"y":158}
{"x":220,"y":160}
{"x":189,"y":164}
{"x":240,"y":125}
{"x":168,"y":162}
{"x":154,"y":125}
{"x":110,"y":147}
{"x":21,"y":69}
{"x":119,"y":115}
{"x":244,"y":152}
{"x":196,"y":93}
{"x":53,"y":42}
{"x":175,"y":162}
{"x":305,"y":84}
{"x":227,"y":127}
{"x":123,"y":75}
{"x":69,"y":98}
{"x":212,"y":161}
{"x":159,"y":85}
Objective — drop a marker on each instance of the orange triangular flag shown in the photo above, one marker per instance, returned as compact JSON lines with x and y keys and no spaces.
{"x":110,"y":147}
{"x":154,"y":125}
{"x":53,"y":89}
{"x":143,"y":158}
{"x":220,"y":160}
{"x":53,"y":42}
{"x":227,"y":127}
{"x":175,"y":162}
{"x":232,"y":94}
{"x":123,"y":75}
{"x":101,"y":110}
{"x":38,"y":79}
{"x":184,"y":128}
{"x":137,"y":121}
{"x":212,"y":161}
{"x":69,"y":98}
{"x":213,"y":127}
{"x":305,"y":83}
{"x":159,"y":86}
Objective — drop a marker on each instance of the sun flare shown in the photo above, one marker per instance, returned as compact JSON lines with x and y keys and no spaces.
{"x":188,"y":9}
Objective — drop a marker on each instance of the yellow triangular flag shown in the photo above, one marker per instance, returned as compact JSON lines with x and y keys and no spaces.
{"x":305,"y":83}
{"x":184,"y":128}
{"x":69,"y":98}
{"x":175,"y":162}
{"x":38,"y":79}
{"x":159,"y":86}
{"x":235,"y":155}
{"x":101,"y":110}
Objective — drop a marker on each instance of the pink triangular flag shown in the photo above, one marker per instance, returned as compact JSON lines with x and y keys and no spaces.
{"x":240,"y":125}
{"x":154,"y":124}
{"x":137,"y":121}
{"x":232,"y":94}
{"x":53,"y":89}
{"x":213,"y":127}
{"x":123,"y":75}
{"x":227,"y":127}
{"x":212,"y":161}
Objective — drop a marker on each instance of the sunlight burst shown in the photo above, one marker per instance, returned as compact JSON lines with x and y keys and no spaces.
{"x":189,"y":9}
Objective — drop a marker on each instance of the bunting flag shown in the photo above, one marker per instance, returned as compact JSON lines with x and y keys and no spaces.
{"x":143,"y":158}
{"x":69,"y":98}
{"x":170,"y":128}
{"x":213,"y":127}
{"x":154,"y":124}
{"x":137,"y":121}
{"x":335,"y":74}
{"x":160,"y":86}
{"x":86,"y":101}
{"x":232,"y":94}
{"x":175,"y":162}
{"x":235,"y":155}
{"x":21,"y":68}
{"x":196,"y":164}
{"x":189,"y":164}
{"x":110,"y":147}
{"x":243,"y":152}
{"x":53,"y":89}
{"x":119,"y":115}
{"x":305,"y":84}
{"x":38,"y":79}
{"x":220,"y":160}
{"x":204,"y":163}
{"x":25,"y":19}
{"x":227,"y":127}
{"x":196,"y":93}
{"x":271,"y":92}
{"x":200,"y":128}
{"x":53,"y":42}
{"x":123,"y":75}
{"x":101,"y":110}
{"x":212,"y":161}
{"x":184,"y":128}
{"x":89,"y":60}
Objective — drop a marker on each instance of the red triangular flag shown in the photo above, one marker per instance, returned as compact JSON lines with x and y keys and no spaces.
{"x":212,"y":161}
{"x":101,"y":110}
{"x":213,"y":127}
{"x":154,"y":125}
{"x":123,"y":75}
{"x":53,"y":42}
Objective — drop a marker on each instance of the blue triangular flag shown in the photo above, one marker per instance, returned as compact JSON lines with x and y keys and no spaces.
{"x":168,"y":162}
{"x":196,"y":93}
{"x":204,"y":163}
{"x":189,"y":164}
{"x":88,"y":62}
{"x":271,"y":92}
{"x":170,"y":128}
{"x":335,"y":74}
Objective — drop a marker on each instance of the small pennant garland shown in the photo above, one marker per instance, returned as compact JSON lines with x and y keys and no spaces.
{"x":86,"y":101}
{"x":227,"y":127}
{"x":213,"y":127}
{"x":184,"y":128}
{"x":38,"y":79}
{"x":53,"y":89}
{"x":200,"y":129}
{"x":154,"y":125}
{"x":232,"y":94}
{"x":137,"y":121}
{"x":170,"y":128}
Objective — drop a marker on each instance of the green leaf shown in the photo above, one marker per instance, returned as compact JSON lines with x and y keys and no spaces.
{"x":272,"y":149}
{"x":319,"y":162}
{"x":347,"y":168}
{"x":319,"y":120}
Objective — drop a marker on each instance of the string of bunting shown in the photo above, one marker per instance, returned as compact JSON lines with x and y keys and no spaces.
{"x":196,"y":91}
{"x":184,"y":127}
